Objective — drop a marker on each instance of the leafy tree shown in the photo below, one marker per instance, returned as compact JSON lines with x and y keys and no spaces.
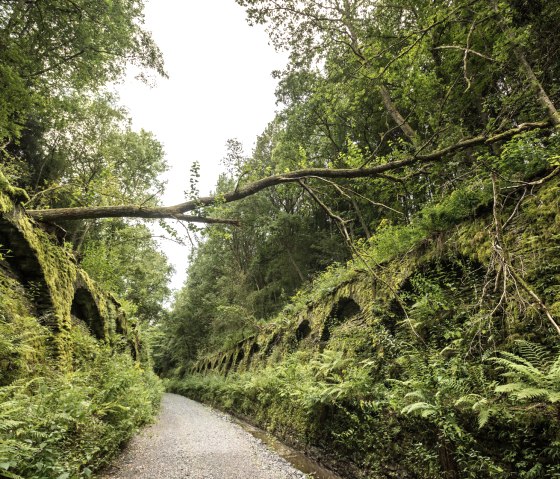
{"x":68,"y":143}
{"x":51,"y":47}
{"x":125,"y":259}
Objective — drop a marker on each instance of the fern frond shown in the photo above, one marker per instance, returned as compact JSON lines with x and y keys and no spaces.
{"x":425,"y":409}
{"x":536,"y":354}
{"x":529,"y":376}
{"x":468,"y":399}
{"x":506,"y":356}
{"x":509,"y":387}
{"x":554,"y":397}
{"x":555,"y":368}
{"x":531,"y":393}
{"x":529,"y":371}
{"x":483,"y":417}
{"x":416,"y":395}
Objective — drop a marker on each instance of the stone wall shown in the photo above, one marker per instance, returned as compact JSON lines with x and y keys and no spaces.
{"x":365,"y":296}
{"x":36,"y":266}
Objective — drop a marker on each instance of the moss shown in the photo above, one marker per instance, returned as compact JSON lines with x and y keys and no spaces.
{"x":59,"y":383}
{"x":374,"y":287}
{"x":101,"y":303}
{"x":13,"y":300}
{"x":10,"y":194}
{"x":59,"y":277}
{"x":352,"y":394}
{"x":59,"y":274}
{"x":23,"y":341}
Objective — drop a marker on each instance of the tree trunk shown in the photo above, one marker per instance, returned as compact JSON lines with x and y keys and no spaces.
{"x":536,"y":85}
{"x":396,"y":115}
{"x":178,"y":211}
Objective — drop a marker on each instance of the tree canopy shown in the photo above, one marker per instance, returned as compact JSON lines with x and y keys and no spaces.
{"x":68,"y":143}
{"x":403,"y":199}
{"x":385,"y":107}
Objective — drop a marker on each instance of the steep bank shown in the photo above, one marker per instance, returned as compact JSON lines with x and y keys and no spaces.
{"x":74,"y":383}
{"x":428,"y":355}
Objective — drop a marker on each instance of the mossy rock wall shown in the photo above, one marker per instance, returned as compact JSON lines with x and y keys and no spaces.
{"x":389,"y":366}
{"x":40,"y":277}
{"x":368,"y":296}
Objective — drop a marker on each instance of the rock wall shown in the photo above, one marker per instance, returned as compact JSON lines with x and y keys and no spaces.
{"x":39,"y":271}
{"x":369,"y":296}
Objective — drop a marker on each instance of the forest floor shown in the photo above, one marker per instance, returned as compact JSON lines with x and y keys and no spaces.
{"x":190,"y":440}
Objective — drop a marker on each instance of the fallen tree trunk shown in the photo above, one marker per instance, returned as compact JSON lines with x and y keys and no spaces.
{"x":178,"y":211}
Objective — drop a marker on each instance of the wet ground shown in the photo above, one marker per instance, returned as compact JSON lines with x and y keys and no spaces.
{"x":295,"y":458}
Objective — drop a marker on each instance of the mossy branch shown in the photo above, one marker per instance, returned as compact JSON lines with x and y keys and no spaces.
{"x":178,"y":211}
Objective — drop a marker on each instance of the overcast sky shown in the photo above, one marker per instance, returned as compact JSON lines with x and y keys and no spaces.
{"x":219,"y":87}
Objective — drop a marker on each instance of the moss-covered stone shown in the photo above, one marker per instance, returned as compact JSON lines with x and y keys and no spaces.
{"x":38,"y":268}
{"x":10,"y":195}
{"x":533,"y":238}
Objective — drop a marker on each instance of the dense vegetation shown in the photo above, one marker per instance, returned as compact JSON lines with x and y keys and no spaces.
{"x":67,"y":142}
{"x":63,"y":424}
{"x":448,"y":365}
{"x":69,"y":399}
{"x":403,"y":202}
{"x":372,"y":84}
{"x":398,"y":363}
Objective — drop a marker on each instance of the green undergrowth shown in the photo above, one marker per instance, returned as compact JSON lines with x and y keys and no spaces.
{"x":440,"y":418}
{"x":68,"y":400}
{"x":56,"y":424}
{"x":441,"y":370}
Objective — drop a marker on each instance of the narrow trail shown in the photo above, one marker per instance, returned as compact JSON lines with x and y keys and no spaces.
{"x":190,"y":440}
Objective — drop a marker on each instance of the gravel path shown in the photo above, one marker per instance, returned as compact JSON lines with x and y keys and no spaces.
{"x":192,"y":441}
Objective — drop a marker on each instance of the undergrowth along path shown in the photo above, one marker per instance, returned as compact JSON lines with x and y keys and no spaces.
{"x":190,"y":440}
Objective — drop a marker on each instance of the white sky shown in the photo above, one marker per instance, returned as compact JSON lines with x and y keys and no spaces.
{"x":220,"y":87}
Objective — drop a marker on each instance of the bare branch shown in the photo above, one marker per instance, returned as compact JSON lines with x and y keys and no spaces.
{"x":465,"y":50}
{"x":505,"y":265}
{"x":340,"y":222}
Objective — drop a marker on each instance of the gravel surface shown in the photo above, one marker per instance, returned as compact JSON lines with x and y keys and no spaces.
{"x":190,"y":440}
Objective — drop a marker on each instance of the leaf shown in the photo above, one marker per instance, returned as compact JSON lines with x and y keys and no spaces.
{"x":483,"y":416}
{"x":426,"y":409}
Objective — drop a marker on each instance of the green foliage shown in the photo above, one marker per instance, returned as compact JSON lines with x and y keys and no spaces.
{"x":237,"y":276}
{"x":53,"y":47}
{"x":403,"y":388}
{"x":125,"y":259}
{"x":532,"y":377}
{"x":429,"y":379}
{"x":22,"y":347}
{"x":68,"y":399}
{"x":67,"y":143}
{"x":88,"y":154}
{"x":56,"y":424}
{"x":452,"y":72}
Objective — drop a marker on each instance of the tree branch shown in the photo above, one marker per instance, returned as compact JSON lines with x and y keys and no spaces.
{"x":539,"y":90}
{"x":396,"y":115}
{"x":178,"y":211}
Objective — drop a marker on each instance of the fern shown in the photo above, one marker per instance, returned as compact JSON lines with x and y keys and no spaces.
{"x":532,"y":377}
{"x":423,"y":409}
{"x":536,"y":354}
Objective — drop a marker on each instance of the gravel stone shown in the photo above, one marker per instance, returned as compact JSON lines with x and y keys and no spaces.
{"x":190,"y":440}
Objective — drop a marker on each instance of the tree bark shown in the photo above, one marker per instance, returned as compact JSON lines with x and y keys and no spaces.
{"x":536,"y":85}
{"x":396,"y":115}
{"x":542,"y":96}
{"x":178,"y":211}
{"x":388,"y":103}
